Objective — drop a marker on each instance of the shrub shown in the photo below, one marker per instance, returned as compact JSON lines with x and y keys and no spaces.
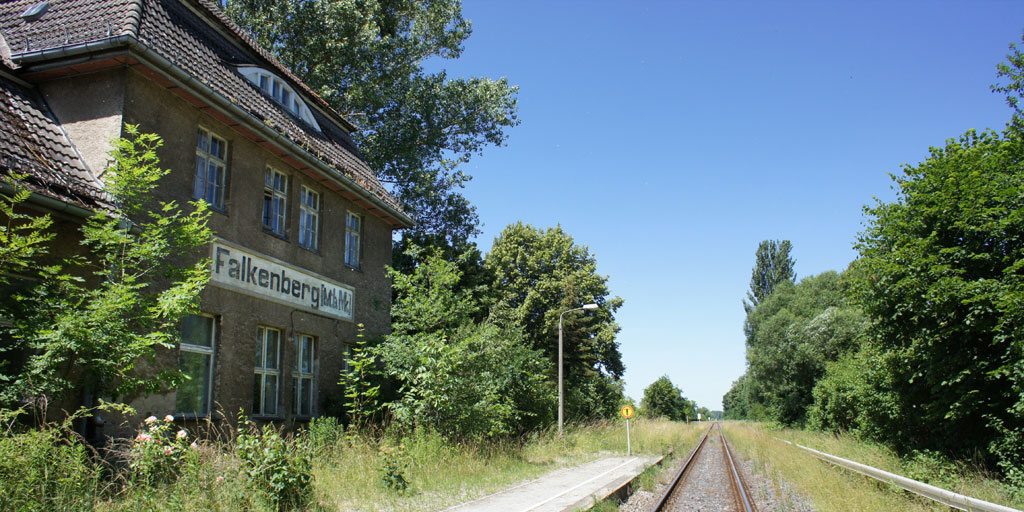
{"x":46,"y":469}
{"x":160,"y":453}
{"x":277,"y":470}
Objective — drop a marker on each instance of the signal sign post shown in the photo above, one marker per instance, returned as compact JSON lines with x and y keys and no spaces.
{"x":627,"y":412}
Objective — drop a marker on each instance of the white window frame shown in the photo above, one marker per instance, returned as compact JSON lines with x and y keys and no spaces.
{"x":282,"y":93}
{"x":309,"y":219}
{"x":353,"y":239}
{"x":205,"y":351}
{"x":264,"y":372}
{"x":304,"y":378}
{"x":203,"y":187}
{"x":275,"y":198}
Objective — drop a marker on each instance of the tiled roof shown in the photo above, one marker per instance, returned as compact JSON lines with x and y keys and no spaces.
{"x":32,"y":143}
{"x":208,"y":50}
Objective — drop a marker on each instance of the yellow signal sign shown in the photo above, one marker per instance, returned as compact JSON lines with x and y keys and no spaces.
{"x":627,"y":411}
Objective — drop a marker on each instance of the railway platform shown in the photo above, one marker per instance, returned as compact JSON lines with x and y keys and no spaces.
{"x":565,"y":489}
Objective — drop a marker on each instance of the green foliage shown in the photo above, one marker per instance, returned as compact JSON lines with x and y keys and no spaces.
{"x":278,"y":470}
{"x":791,"y":335}
{"x":1013,"y":71}
{"x":662,"y":398}
{"x":854,"y":395}
{"x":23,"y":237}
{"x":463,"y":379}
{"x":393,"y":464}
{"x":324,"y":435}
{"x":87,"y":322}
{"x":736,"y":401}
{"x":358,"y":380}
{"x":160,"y":453}
{"x":772,"y":265}
{"x":537,"y":275}
{"x":46,"y":468}
{"x":366,"y":59}
{"x":942,"y":273}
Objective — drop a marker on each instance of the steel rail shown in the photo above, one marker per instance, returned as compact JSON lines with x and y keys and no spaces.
{"x":658,"y":507}
{"x":738,"y":489}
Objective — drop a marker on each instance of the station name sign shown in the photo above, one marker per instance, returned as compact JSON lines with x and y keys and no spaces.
{"x":247,"y":272}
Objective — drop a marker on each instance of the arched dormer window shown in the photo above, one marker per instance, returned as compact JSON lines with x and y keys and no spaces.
{"x":282,"y":93}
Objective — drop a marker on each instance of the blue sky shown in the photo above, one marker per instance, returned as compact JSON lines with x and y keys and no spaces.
{"x":672,"y":137}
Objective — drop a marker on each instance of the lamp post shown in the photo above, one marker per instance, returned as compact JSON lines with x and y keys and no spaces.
{"x":561,"y":387}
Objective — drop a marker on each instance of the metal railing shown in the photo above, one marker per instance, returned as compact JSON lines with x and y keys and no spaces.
{"x":950,"y":498}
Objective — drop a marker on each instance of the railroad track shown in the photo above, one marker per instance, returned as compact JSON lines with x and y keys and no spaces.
{"x":718,"y":479}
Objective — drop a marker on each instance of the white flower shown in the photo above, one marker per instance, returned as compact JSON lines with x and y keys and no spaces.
{"x":168,"y":418}
{"x":194,"y":446}
{"x":151,"y":419}
{"x":182,"y":434}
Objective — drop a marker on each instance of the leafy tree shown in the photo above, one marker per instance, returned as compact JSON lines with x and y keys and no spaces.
{"x":856,"y":395}
{"x":1014,"y":90}
{"x":662,"y":398}
{"x":463,"y":379}
{"x":359,"y":380}
{"x":791,"y":335}
{"x":772,"y":265}
{"x":87,"y":322}
{"x":943,"y":278}
{"x":735,"y":402}
{"x":24,"y":237}
{"x":537,"y":275}
{"x":366,"y":59}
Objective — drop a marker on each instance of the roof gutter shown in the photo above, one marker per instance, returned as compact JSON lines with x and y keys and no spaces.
{"x":84,"y":51}
{"x":48,"y":202}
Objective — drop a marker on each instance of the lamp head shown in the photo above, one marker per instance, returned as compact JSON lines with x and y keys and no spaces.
{"x":590,"y":306}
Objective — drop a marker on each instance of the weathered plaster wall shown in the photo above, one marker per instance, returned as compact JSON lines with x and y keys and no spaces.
{"x":89,"y":107}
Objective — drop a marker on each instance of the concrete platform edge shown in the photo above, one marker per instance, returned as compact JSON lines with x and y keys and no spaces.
{"x":619,"y":489}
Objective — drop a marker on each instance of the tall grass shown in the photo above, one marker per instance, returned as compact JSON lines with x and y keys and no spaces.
{"x":47,"y":469}
{"x":833,"y":488}
{"x":442,"y":474}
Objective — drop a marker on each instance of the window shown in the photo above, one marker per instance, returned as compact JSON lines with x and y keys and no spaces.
{"x":309,"y":219}
{"x":303,"y":381}
{"x":195,"y":360}
{"x":352,"y":234}
{"x":211,"y":166}
{"x":275,"y":194}
{"x":268,"y":372}
{"x":280,"y":91}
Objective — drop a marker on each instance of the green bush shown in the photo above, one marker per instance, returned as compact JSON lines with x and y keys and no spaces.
{"x":277,"y":470}
{"x":46,"y":469}
{"x":159,"y":453}
{"x":853,"y":397}
{"x":324,"y":436}
{"x":482,"y":384}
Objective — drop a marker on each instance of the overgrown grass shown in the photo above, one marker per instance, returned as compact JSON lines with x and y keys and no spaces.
{"x":368,"y":472}
{"x":443,"y":475}
{"x":833,"y":488}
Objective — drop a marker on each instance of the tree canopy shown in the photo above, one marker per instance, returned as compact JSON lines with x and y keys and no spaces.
{"x":772,"y":265}
{"x":662,"y":398}
{"x":538,"y":274}
{"x":417,"y":127}
{"x":942,"y":272}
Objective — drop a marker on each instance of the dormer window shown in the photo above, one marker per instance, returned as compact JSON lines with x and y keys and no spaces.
{"x":282,"y":93}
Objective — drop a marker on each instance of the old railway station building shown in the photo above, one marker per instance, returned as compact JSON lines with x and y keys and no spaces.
{"x":303,"y":228}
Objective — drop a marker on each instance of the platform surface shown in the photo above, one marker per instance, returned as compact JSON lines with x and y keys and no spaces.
{"x":565,"y":489}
